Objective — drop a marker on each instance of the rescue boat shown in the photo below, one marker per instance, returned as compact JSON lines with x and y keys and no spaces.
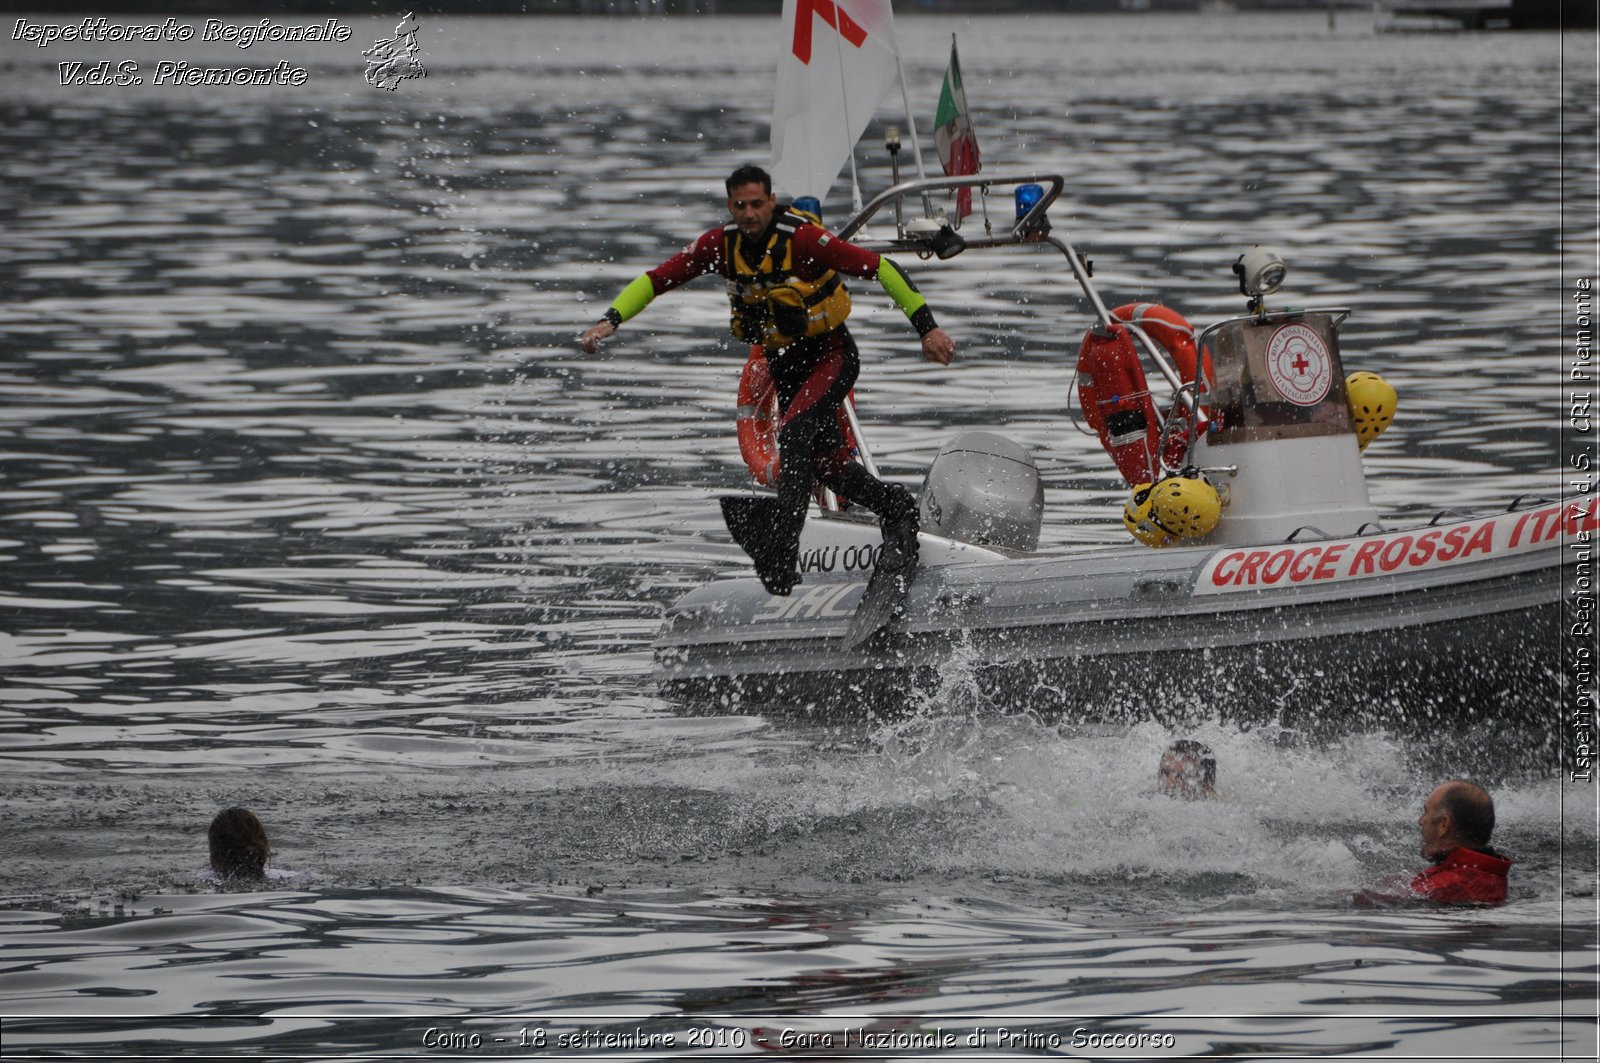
{"x":1257,"y":579}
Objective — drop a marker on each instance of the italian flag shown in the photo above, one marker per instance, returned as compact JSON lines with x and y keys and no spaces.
{"x":952,"y":133}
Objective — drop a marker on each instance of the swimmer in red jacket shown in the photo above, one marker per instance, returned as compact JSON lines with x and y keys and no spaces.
{"x":1456,"y":822}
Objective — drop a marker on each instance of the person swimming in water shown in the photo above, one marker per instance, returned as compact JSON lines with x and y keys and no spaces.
{"x":1456,"y":822}
{"x":1188,"y":770}
{"x":240,"y":849}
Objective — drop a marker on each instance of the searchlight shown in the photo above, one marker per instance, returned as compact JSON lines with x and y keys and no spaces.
{"x":1260,"y":273}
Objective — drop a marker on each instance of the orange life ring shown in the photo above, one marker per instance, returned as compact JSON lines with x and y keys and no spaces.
{"x":758,"y":418}
{"x":757,"y":421}
{"x":1177,"y":337}
{"x":1172,"y":330}
{"x":1115,"y":398}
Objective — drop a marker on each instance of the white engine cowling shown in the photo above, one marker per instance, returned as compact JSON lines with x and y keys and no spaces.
{"x":984,"y":489}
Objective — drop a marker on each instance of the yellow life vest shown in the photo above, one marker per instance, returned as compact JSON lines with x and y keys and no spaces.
{"x":772,"y":306}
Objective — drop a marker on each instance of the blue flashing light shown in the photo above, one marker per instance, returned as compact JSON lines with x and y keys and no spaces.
{"x":809,"y":204}
{"x":1028,"y":197}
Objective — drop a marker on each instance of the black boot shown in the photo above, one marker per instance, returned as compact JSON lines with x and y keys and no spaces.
{"x":899,"y":521}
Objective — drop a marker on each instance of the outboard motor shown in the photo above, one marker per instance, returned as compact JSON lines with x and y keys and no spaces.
{"x":985,"y":490}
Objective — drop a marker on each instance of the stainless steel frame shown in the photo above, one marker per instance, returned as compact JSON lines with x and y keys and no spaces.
{"x":1026,"y":230}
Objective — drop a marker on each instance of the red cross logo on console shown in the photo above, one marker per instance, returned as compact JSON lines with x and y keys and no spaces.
{"x":831,"y":13}
{"x":1298,"y":364}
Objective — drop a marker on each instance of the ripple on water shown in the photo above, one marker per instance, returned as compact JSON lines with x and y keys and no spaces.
{"x":311,"y":504}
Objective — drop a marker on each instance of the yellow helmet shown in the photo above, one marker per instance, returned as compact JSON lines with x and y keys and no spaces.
{"x":1185,"y":507}
{"x":1372,"y":405}
{"x":1136,"y":517}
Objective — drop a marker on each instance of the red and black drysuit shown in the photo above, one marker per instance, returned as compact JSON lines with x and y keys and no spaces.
{"x":812,"y":375}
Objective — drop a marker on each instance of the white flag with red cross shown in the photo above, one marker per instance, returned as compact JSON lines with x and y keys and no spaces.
{"x":836,"y":59}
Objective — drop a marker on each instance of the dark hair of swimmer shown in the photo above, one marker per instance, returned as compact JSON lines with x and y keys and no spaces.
{"x":239,"y":846}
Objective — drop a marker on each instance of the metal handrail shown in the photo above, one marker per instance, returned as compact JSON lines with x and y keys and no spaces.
{"x":1029,"y":229}
{"x":1022,"y":232}
{"x":922,"y":185}
{"x":862,"y":452}
{"x":1341,"y":313}
{"x":1188,"y":394}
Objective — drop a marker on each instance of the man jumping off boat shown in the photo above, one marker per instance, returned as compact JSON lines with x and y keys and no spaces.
{"x":782,"y":270}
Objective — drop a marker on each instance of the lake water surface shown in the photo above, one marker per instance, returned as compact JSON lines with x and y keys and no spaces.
{"x":310,"y":504}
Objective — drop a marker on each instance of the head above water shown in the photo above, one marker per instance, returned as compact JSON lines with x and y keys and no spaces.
{"x":1188,"y":770}
{"x":1457,"y":814}
{"x":239,"y":846}
{"x":750,"y":200}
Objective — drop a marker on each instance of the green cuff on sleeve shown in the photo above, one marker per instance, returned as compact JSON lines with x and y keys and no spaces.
{"x":635,"y":297}
{"x":905,"y":295}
